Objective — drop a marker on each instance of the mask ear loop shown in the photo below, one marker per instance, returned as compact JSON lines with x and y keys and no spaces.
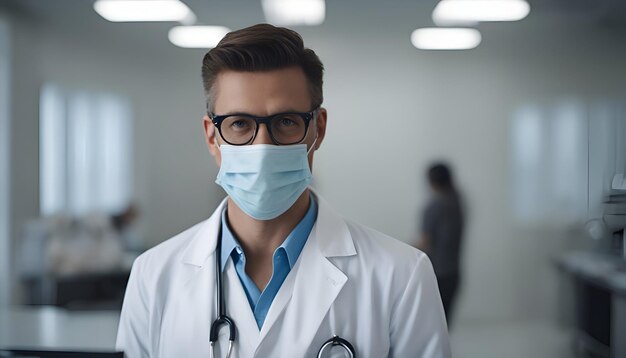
{"x":217,"y":143}
{"x":313,"y":145}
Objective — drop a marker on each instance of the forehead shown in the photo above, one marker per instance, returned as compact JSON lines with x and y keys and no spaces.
{"x":262,"y":93}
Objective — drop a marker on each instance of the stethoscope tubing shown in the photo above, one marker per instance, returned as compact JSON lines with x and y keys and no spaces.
{"x":222,"y":318}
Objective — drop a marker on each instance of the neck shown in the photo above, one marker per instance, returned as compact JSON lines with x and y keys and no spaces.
{"x":260,"y":238}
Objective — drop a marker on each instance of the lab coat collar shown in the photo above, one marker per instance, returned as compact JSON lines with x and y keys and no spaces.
{"x":333,"y":235}
{"x":204,"y":242}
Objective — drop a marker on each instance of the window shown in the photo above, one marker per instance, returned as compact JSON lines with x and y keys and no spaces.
{"x":563,"y":159}
{"x":549,"y":173}
{"x":86,"y":152}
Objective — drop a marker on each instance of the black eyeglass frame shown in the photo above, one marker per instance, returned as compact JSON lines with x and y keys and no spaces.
{"x":306,"y":117}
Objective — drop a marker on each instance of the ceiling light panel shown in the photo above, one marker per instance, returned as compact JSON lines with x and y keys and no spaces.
{"x":197,"y":36}
{"x":144,"y":10}
{"x":436,"y":38}
{"x":294,"y":12}
{"x":471,"y":11}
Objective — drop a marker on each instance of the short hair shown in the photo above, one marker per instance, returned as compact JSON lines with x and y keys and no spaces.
{"x":262,"y":47}
{"x":439,"y":175}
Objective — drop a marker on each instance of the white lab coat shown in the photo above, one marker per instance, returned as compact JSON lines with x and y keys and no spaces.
{"x":351,"y":281}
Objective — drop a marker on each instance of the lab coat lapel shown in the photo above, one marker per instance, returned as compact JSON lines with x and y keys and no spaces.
{"x":189,"y":317}
{"x":313,"y":284}
{"x":200,"y":289}
{"x":238,"y":308}
{"x":316,"y":288}
{"x":202,"y":245}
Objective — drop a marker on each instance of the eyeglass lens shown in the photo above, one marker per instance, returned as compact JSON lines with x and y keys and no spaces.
{"x":285,"y":129}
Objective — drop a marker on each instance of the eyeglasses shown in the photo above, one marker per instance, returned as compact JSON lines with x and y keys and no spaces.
{"x":284,"y":128}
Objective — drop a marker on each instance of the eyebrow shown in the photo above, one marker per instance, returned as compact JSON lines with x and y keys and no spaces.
{"x":289,"y":110}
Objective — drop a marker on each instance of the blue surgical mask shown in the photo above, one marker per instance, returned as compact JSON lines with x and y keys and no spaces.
{"x":264,"y":180}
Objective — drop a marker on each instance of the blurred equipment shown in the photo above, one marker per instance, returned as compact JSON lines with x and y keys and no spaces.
{"x":599,"y":282}
{"x":78,"y":263}
{"x":598,"y":276}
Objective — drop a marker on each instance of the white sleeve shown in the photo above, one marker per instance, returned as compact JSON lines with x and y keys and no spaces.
{"x":418,"y":324}
{"x":132,"y":334}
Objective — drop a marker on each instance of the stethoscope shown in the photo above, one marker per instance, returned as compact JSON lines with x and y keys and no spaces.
{"x":223,"y":319}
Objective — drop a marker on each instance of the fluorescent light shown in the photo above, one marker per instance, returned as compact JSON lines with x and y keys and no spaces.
{"x":436,"y":38}
{"x":143,"y":10}
{"x":197,"y":36}
{"x":294,"y":12}
{"x":471,"y":11}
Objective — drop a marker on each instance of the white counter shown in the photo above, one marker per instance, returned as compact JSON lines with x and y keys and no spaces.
{"x":51,"y":328}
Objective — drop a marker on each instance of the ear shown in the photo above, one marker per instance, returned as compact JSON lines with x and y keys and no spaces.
{"x":210,"y":139}
{"x":322,"y":117}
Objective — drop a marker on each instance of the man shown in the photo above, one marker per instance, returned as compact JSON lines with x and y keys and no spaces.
{"x":294,"y":273}
{"x":442,"y":230}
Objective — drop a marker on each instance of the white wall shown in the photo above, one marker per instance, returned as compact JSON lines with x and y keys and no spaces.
{"x":23,"y":173}
{"x":4,"y":163}
{"x":443,"y":105}
{"x":172,"y":164}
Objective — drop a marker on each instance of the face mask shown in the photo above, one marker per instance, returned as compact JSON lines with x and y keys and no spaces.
{"x":264,"y":180}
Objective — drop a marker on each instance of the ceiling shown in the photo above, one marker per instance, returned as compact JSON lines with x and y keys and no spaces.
{"x":365,"y":16}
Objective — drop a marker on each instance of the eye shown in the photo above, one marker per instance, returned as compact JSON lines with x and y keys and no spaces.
{"x":286,"y":122}
{"x":238,"y":123}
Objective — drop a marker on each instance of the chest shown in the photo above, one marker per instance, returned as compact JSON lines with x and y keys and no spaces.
{"x":307,"y":311}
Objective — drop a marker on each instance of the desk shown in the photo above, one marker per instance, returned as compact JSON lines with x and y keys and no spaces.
{"x":600,"y":282}
{"x":46,"y":328}
{"x":84,"y":291}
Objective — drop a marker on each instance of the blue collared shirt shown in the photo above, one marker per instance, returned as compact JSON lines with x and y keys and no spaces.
{"x":285,"y":257}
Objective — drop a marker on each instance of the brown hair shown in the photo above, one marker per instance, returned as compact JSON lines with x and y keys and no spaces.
{"x":262,"y":47}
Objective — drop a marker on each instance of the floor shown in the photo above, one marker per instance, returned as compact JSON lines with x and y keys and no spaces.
{"x":534,"y":339}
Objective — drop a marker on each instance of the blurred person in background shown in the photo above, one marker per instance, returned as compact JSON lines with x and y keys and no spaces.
{"x":442,"y":232}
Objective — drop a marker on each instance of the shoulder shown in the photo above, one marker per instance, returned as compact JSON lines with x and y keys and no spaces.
{"x":370,"y":239}
{"x":393,"y":273}
{"x":384,"y":253}
{"x":162,"y":256}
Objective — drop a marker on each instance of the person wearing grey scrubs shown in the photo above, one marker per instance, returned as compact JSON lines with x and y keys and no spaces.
{"x":442,"y":232}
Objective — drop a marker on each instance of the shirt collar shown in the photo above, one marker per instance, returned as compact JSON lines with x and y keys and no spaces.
{"x":292,"y":245}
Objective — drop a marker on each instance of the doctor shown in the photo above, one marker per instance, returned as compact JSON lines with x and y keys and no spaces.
{"x":292,"y":274}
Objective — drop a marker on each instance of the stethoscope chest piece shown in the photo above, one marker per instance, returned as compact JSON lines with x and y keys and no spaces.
{"x":337,"y":341}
